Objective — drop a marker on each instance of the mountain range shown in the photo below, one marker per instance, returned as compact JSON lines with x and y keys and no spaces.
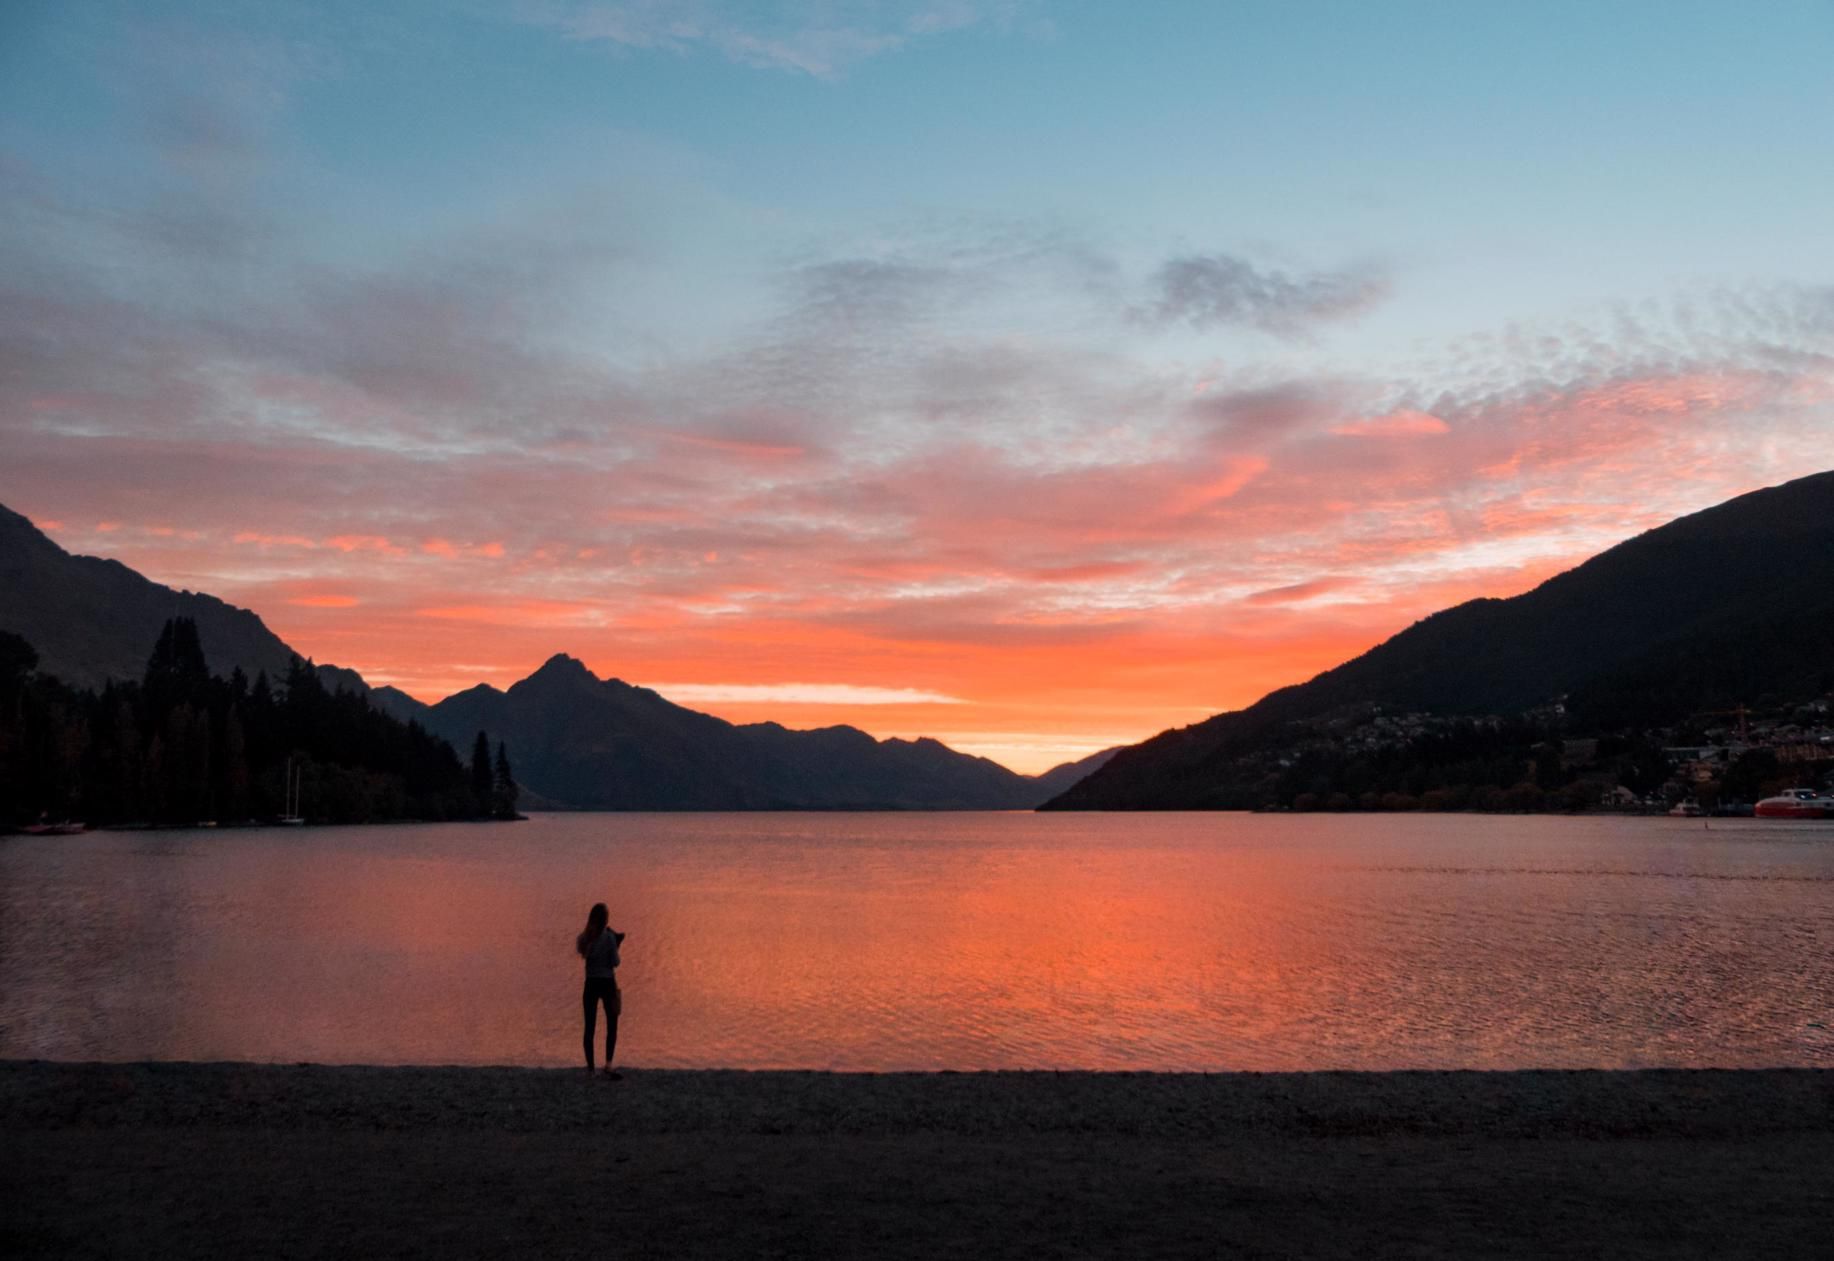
{"x":604,"y":744}
{"x":578,"y":741}
{"x":1730,"y":606}
{"x":1725,"y":607}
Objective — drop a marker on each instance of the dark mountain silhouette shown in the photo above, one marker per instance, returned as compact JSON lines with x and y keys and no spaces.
{"x":579,"y":741}
{"x":92,"y":619}
{"x":1061,"y":778}
{"x":1731,"y":605}
{"x":603,"y":744}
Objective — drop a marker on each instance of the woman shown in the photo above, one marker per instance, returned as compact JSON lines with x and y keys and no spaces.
{"x":598,"y":946}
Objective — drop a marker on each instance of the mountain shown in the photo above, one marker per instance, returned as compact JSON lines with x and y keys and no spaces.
{"x":92,"y":620}
{"x":1726,"y":606}
{"x":577,"y":740}
{"x":603,"y":744}
{"x":1062,"y":778}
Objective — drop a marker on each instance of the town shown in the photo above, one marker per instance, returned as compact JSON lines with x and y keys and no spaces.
{"x":1720,"y":763}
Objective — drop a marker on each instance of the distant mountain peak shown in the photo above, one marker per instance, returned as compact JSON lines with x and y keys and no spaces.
{"x":560,"y":675}
{"x":562,"y":665}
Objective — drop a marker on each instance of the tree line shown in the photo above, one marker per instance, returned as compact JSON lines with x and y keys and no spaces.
{"x":182,"y":746}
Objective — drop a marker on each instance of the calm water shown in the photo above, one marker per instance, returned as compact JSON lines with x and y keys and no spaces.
{"x":929,"y":941}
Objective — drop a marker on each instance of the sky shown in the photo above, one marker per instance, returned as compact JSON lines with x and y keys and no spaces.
{"x":1036,"y":376}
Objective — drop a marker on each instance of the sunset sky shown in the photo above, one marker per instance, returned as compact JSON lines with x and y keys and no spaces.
{"x":1031,"y":375}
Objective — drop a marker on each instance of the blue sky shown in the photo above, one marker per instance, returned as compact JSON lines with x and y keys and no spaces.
{"x":955,"y":331}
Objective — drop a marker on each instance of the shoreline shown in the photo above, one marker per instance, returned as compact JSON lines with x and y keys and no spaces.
{"x":1782,"y":824}
{"x":301,"y":1160}
{"x":250,"y":825}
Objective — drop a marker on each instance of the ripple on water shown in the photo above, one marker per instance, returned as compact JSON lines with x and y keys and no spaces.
{"x":928,"y":941}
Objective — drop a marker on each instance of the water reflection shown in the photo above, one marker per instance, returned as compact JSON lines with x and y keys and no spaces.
{"x":925,"y":941}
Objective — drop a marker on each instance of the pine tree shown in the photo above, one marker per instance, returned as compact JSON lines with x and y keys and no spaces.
{"x":176,"y":671}
{"x":483,"y":779}
{"x":184,"y":747}
{"x":507,"y":791}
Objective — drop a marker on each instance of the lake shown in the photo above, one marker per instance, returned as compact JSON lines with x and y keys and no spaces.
{"x":925,"y":941}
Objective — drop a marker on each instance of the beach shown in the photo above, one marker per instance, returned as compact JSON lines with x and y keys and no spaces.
{"x":168,"y":1159}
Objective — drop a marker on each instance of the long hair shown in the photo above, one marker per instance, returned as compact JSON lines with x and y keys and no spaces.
{"x":595,"y":928}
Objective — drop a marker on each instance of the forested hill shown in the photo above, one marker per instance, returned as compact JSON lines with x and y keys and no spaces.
{"x":1732,"y":605}
{"x":182,"y":746}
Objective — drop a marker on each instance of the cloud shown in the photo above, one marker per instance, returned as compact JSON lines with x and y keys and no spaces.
{"x":820,"y":40}
{"x":1270,"y":412}
{"x":1217,"y":290}
{"x":1298,"y":591}
{"x":550,"y":614}
{"x":799,"y":694}
{"x":935,"y":460}
{"x":848,"y":292}
{"x":1402,"y":424}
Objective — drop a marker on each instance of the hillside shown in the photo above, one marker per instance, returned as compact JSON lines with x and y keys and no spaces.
{"x":1731,"y":605}
{"x":91,"y":620}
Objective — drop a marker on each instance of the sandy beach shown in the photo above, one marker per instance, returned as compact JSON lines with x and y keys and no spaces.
{"x":214,"y":1159}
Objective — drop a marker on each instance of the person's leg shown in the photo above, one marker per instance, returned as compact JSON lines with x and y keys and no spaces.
{"x":592,"y":1019}
{"x":614,"y":1007}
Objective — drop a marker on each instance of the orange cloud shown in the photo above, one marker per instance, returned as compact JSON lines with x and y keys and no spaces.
{"x":1401,"y":424}
{"x":364,"y":543}
{"x":1071,"y":575}
{"x":1229,"y":482}
{"x":273,"y":540}
{"x":1672,"y":396}
{"x":553,"y":614}
{"x":449,"y":550}
{"x":739,"y":446}
{"x":1295,"y":592}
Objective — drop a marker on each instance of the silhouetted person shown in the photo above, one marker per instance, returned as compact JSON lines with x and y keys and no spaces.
{"x":598,"y":946}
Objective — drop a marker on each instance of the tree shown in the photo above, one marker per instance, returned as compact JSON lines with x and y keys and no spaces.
{"x":235,"y":767}
{"x":483,"y":779}
{"x":176,"y":671}
{"x":17,"y":661}
{"x":507,"y":791}
{"x":181,"y":746}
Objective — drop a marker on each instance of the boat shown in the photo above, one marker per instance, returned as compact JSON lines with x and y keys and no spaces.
{"x":292,"y":818}
{"x":1687,"y":808}
{"x":54,"y":829}
{"x":1796,"y":803}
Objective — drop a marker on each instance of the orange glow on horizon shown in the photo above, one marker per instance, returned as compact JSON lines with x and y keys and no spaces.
{"x":1044,"y":611}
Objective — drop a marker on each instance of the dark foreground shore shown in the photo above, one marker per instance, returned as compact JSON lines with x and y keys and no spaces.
{"x":228,"y":1159}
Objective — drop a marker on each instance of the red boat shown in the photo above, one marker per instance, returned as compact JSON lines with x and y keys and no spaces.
{"x":1796,"y":803}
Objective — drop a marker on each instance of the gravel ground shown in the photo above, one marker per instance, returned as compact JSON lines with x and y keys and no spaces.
{"x":307,"y":1161}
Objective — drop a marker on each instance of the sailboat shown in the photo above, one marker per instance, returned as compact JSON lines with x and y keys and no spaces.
{"x":295,"y":782}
